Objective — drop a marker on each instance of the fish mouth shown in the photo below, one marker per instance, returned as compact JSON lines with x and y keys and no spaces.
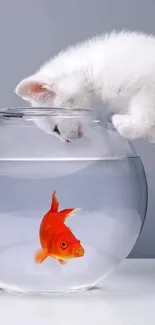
{"x":79,"y":252}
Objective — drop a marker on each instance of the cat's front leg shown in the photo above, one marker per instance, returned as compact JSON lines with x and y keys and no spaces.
{"x":125,"y":126}
{"x":140,"y":118}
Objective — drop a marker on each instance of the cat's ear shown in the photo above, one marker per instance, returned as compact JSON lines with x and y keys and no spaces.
{"x":30,"y":89}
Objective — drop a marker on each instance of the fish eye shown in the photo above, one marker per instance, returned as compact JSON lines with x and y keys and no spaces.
{"x":63,"y":244}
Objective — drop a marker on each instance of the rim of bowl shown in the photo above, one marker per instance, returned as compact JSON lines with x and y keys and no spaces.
{"x":21,"y":112}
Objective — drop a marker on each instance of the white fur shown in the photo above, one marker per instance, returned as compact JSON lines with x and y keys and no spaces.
{"x":118,"y":68}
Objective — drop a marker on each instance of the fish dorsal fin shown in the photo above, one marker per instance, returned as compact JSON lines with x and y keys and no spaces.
{"x":55,"y":203}
{"x":64,"y":214}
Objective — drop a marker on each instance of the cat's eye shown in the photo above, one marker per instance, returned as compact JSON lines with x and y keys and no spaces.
{"x":63,"y":244}
{"x":56,"y":130}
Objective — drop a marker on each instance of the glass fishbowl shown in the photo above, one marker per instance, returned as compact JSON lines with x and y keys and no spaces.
{"x":72,"y":206}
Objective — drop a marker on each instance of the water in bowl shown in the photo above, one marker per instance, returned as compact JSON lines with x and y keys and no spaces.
{"x":111,"y":195}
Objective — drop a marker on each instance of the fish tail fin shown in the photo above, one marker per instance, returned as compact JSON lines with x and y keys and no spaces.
{"x":64,"y":214}
{"x":40,"y":256}
{"x":54,"y":204}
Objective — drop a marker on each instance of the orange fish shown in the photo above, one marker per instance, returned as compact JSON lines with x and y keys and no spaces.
{"x":57,"y":240}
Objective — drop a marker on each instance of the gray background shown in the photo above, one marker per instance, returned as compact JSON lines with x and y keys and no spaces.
{"x":33,"y":30}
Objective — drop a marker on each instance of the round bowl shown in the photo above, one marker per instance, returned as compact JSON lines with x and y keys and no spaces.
{"x":86,"y":166}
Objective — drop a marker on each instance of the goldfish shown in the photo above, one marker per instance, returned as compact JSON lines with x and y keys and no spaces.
{"x":56,"y":239}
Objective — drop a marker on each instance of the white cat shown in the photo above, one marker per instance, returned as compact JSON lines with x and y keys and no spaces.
{"x":117,"y":68}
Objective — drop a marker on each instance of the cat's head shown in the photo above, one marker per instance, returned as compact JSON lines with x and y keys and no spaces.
{"x":65,"y":91}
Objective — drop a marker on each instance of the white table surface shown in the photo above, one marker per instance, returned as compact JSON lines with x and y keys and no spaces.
{"x":127,"y":297}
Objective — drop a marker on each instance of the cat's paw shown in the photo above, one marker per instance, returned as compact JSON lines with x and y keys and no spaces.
{"x":125,"y":127}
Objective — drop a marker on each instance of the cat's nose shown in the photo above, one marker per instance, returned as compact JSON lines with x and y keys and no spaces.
{"x":56,"y":130}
